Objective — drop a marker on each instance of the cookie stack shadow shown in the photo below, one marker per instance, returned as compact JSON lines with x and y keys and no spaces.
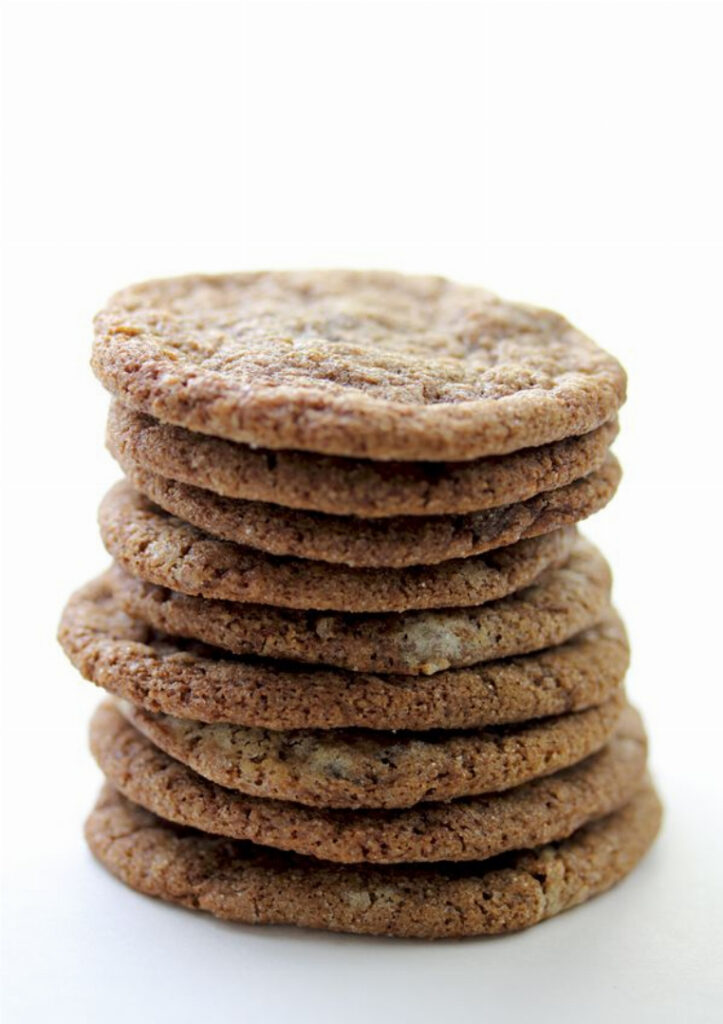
{"x":373,"y":696}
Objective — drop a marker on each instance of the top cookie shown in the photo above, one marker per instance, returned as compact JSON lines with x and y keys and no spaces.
{"x":357,"y":363}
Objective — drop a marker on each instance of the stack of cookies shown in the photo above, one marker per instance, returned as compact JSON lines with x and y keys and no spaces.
{"x":365,"y":674}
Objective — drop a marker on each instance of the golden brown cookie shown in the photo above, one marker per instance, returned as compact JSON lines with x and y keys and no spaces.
{"x":149,"y":449}
{"x":189,"y":680}
{"x":242,"y":882}
{"x":395,"y":542}
{"x":355,"y":363}
{"x":561,"y":603}
{"x":541,"y":811}
{"x":358,"y":768}
{"x":162,"y":549}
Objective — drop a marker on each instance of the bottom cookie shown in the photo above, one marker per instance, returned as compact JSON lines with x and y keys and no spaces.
{"x":242,"y":882}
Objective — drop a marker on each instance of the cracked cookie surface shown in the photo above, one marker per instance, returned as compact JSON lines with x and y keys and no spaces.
{"x":354,"y":363}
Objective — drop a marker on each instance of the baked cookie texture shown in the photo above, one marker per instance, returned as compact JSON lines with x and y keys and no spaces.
{"x":186,"y":679}
{"x":347,"y":487}
{"x":338,"y":768}
{"x":361,"y":671}
{"x":355,"y":363}
{"x":544,"y":810}
{"x":393,"y":543}
{"x":163,"y":549}
{"x":560,"y":603}
{"x":254,"y":885}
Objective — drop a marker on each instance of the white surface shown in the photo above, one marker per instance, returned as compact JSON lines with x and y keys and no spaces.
{"x":560,"y":154}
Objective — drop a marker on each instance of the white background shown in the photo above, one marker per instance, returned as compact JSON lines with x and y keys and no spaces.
{"x":566,"y":154}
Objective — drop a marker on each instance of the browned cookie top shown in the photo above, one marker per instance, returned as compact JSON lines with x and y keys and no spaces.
{"x":560,"y":603}
{"x":242,"y":882}
{"x":546,"y":809}
{"x":349,"y":487}
{"x":165,"y":550}
{"x":189,"y":680}
{"x":359,"y":768}
{"x":355,"y":363}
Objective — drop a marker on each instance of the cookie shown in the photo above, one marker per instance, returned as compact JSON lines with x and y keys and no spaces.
{"x":345,"y":768}
{"x":188,"y":680}
{"x":348,"y":487}
{"x":163,"y":549}
{"x":354,"y":363}
{"x":561,"y":603}
{"x":395,"y":542}
{"x":241,"y":882}
{"x":541,"y":811}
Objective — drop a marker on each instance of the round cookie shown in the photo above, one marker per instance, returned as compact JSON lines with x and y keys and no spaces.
{"x":188,"y":680}
{"x":541,"y":811}
{"x":395,"y":542}
{"x":342,"y":768}
{"x":162,"y":549}
{"x":348,"y":487}
{"x":561,"y":603}
{"x":356,"y":363}
{"x":241,"y":882}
